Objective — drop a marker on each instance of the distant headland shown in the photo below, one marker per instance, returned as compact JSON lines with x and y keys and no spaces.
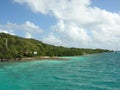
{"x":15,"y":48}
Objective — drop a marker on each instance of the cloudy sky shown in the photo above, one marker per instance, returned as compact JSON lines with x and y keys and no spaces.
{"x":70,"y":23}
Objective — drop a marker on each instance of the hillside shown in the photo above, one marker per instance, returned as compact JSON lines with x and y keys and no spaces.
{"x":14,"y":47}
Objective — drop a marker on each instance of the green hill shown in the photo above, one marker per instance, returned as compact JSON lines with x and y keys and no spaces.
{"x":14,"y":47}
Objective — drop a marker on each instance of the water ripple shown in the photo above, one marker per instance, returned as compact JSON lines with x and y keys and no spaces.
{"x":93,"y":72}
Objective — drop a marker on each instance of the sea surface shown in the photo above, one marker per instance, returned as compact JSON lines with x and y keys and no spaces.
{"x":90,"y":72}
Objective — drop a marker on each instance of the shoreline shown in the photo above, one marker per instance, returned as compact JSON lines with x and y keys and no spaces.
{"x":36,"y":58}
{"x":57,"y":58}
{"x":43,"y":58}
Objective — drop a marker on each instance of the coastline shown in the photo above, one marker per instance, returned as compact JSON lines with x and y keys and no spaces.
{"x":44,"y":58}
{"x":36,"y":58}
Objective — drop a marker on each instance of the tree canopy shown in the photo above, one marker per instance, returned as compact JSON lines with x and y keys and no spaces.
{"x":18,"y":47}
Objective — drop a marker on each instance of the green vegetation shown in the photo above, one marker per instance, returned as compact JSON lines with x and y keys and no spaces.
{"x":14,"y":47}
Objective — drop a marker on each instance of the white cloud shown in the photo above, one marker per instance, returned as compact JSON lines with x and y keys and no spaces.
{"x":79,"y":24}
{"x":31,"y":27}
{"x":28,"y":35}
{"x":51,"y":39}
{"x":4,"y":31}
{"x":28,"y":28}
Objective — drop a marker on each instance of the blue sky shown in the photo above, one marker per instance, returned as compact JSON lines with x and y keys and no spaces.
{"x":110,"y":5}
{"x":15,"y":13}
{"x":52,"y":24}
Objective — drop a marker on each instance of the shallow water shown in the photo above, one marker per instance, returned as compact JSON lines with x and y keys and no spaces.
{"x":91,"y":72}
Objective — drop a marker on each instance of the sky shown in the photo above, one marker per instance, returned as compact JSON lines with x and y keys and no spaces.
{"x":69,"y":23}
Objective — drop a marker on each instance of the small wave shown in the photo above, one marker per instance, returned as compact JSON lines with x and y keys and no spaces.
{"x":61,"y":78}
{"x":108,"y":84}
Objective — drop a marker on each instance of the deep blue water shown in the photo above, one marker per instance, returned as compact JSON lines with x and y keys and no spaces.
{"x":91,"y":72}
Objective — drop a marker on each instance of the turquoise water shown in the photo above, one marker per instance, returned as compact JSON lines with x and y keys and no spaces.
{"x":91,"y":72}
